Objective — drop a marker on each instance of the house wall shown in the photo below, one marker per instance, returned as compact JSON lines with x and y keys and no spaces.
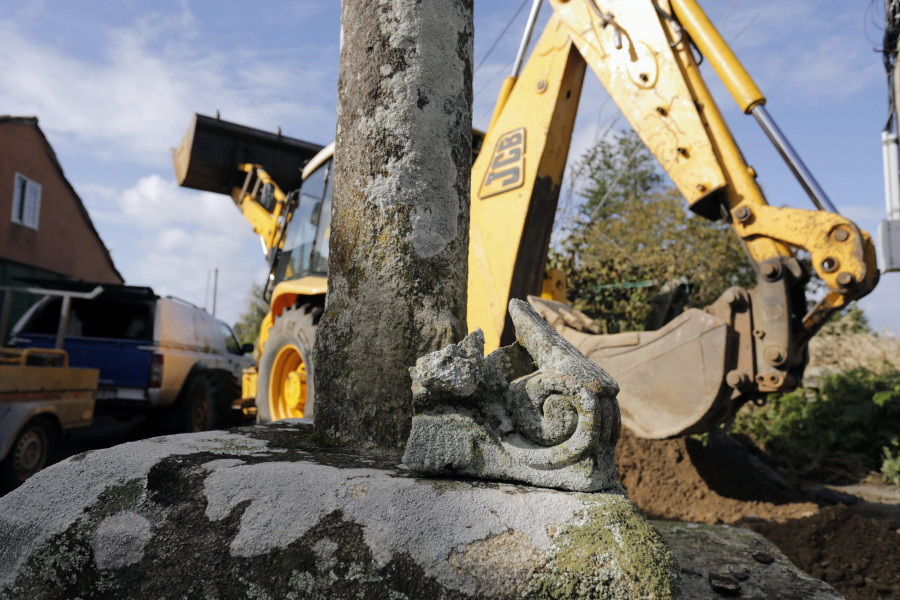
{"x":65,"y":241}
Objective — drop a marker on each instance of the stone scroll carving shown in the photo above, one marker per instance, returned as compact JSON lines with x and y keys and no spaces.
{"x":536,"y":411}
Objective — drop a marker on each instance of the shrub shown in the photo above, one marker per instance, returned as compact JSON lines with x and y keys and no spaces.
{"x":890,"y":467}
{"x":837,"y":432}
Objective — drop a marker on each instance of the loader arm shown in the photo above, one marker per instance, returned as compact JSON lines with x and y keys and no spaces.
{"x":263,"y":204}
{"x":745,"y":345}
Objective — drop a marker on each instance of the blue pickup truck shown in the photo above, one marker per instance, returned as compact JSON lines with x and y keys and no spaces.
{"x":42,"y":397}
{"x":155,"y":354}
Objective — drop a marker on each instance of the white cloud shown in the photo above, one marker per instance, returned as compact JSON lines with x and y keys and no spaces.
{"x":135,"y":101}
{"x":154,"y":202}
{"x":805,"y":51}
{"x":172,"y":239}
{"x":880,"y":306}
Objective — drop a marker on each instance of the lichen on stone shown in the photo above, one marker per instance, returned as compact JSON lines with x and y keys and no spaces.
{"x":399,"y":215}
{"x":614,"y":553}
{"x":501,"y":564}
{"x":316,"y":529}
{"x":65,"y":565}
{"x":120,"y":540}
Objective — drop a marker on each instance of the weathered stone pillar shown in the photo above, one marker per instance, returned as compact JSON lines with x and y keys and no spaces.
{"x":399,"y":242}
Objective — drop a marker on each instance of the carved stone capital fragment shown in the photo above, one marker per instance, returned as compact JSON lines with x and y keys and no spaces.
{"x":536,"y":411}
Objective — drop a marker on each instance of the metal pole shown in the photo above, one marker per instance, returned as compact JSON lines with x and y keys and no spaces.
{"x":63,"y":321}
{"x":889,"y":153}
{"x":806,"y":179}
{"x":206,"y":292}
{"x":526,"y":37}
{"x":215,"y":289}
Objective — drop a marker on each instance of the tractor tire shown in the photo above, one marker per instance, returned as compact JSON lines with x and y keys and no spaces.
{"x":31,"y":451}
{"x":285,"y":381}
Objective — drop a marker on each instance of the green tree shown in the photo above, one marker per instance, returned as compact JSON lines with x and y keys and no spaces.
{"x":850,"y":319}
{"x":616,"y":171}
{"x":247,"y":327}
{"x":836,"y":432}
{"x":633,"y":233}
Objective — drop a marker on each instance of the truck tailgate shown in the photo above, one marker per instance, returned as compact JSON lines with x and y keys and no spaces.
{"x":122,"y":363}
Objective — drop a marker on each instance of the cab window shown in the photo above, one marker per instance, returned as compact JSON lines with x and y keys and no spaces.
{"x":323,"y":231}
{"x":296,"y":253}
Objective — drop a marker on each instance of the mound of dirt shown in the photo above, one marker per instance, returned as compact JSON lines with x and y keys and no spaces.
{"x":683,"y":480}
{"x":859,"y":557}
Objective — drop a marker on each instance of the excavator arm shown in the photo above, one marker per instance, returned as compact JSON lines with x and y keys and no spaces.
{"x":697,"y":370}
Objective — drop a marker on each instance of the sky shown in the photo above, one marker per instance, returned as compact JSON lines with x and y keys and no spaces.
{"x":114,"y":84}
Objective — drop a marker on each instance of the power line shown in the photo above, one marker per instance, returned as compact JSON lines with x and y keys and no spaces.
{"x":498,"y":71}
{"x":499,"y":37}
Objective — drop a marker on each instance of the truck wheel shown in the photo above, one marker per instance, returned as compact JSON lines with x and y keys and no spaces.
{"x":30,"y":452}
{"x":285,"y":383}
{"x":197,"y":406}
{"x":225,"y":390}
{"x":205,"y":404}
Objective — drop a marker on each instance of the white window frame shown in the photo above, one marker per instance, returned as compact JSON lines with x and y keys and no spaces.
{"x":26,"y":205}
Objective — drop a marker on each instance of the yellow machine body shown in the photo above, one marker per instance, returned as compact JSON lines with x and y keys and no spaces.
{"x":748,"y":343}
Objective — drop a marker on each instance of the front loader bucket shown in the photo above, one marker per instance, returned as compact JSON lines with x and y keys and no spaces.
{"x":672,"y":380}
{"x":208,"y":156}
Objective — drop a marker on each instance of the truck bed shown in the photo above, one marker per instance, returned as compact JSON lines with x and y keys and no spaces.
{"x":122,"y":363}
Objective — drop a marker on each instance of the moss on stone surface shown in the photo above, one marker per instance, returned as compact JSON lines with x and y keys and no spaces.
{"x":118,"y":498}
{"x":190,"y":553}
{"x":614,"y":553}
{"x":299,"y":441}
{"x":63,"y":568}
{"x":228,"y":445}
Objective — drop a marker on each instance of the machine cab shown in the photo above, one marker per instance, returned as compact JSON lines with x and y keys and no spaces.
{"x":304,"y":249}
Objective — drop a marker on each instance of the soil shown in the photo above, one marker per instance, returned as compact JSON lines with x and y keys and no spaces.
{"x":851,"y":544}
{"x":859,"y":557}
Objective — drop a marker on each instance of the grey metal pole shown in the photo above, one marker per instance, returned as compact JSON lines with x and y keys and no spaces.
{"x":63,"y":321}
{"x":215,"y":289}
{"x":889,"y":150}
{"x":526,"y":37}
{"x":803,"y":175}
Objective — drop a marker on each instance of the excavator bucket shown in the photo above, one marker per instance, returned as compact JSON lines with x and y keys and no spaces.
{"x":672,"y":380}
{"x":208,"y":156}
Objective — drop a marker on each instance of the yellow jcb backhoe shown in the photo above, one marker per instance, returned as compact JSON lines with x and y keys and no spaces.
{"x":686,"y":377}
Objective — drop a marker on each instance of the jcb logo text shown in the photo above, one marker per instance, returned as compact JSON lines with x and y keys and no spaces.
{"x":507,"y":169}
